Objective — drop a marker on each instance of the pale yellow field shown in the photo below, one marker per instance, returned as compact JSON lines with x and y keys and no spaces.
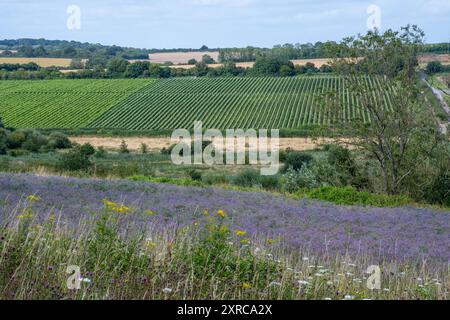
{"x":301,"y":62}
{"x":157,"y":143}
{"x":181,"y":57}
{"x":43,"y":62}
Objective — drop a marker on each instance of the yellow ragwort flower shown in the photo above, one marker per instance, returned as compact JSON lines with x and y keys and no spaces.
{"x":109,"y":204}
{"x":221,"y":213}
{"x":149,"y":213}
{"x":240,"y":233}
{"x":246,"y":285}
{"x":122,"y":209}
{"x":26,"y":215}
{"x":33,"y":198}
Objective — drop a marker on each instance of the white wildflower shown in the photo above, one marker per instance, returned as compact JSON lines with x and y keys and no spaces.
{"x":275,"y":283}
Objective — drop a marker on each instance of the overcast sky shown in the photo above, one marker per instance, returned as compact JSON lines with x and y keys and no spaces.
{"x":215,"y":23}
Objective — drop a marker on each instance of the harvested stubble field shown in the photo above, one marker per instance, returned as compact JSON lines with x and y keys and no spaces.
{"x":181,"y":57}
{"x":43,"y":62}
{"x":158,"y":143}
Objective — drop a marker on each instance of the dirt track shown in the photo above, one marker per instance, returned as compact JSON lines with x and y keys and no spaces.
{"x":157,"y":143}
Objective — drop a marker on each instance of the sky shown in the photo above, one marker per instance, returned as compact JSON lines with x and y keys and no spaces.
{"x":215,"y":23}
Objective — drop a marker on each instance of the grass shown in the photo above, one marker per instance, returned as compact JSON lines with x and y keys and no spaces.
{"x":205,"y":260}
{"x":351,"y":196}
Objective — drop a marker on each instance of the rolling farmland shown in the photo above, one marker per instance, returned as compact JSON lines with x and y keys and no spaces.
{"x":143,"y":104}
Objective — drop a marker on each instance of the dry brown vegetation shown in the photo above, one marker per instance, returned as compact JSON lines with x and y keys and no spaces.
{"x":158,"y":143}
{"x":443,"y":58}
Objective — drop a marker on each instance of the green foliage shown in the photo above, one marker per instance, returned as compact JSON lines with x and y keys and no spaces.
{"x":434,"y":67}
{"x":34,"y":141}
{"x":123,"y":148}
{"x":16,"y":139}
{"x":100,"y":153}
{"x":294,"y":180}
{"x":195,"y":175}
{"x":248,"y":178}
{"x":273,"y":66}
{"x":144,"y":148}
{"x":350,"y":196}
{"x":296,"y":160}
{"x":207,"y":59}
{"x":3,"y":141}
{"x":439,"y":191}
{"x":58,"y":140}
{"x":87,"y":149}
{"x":78,"y":158}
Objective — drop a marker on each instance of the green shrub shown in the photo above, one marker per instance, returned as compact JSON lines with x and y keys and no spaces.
{"x":3,"y":139}
{"x":87,"y":150}
{"x":342,"y":158}
{"x":58,"y":140}
{"x":76,"y":159}
{"x":248,"y":178}
{"x":295,"y":180}
{"x":270,"y":182}
{"x":34,"y":141}
{"x":351,"y":196}
{"x":18,"y":152}
{"x":123,"y":147}
{"x":346,"y":167}
{"x":144,"y":148}
{"x":195,"y":175}
{"x":100,"y":153}
{"x":214,"y":179}
{"x":439,"y":191}
{"x":296,"y":160}
{"x":283,"y":154}
{"x":16,"y":139}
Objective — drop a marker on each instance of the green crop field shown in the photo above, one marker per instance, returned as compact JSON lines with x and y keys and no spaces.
{"x":175,"y":103}
{"x":61,"y":103}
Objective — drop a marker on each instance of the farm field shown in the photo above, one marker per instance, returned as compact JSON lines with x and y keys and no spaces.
{"x":299,"y":62}
{"x":379,"y":234}
{"x":43,"y":62}
{"x":181,"y":57}
{"x":229,"y":103}
{"x":61,"y":103}
{"x":221,"y":103}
